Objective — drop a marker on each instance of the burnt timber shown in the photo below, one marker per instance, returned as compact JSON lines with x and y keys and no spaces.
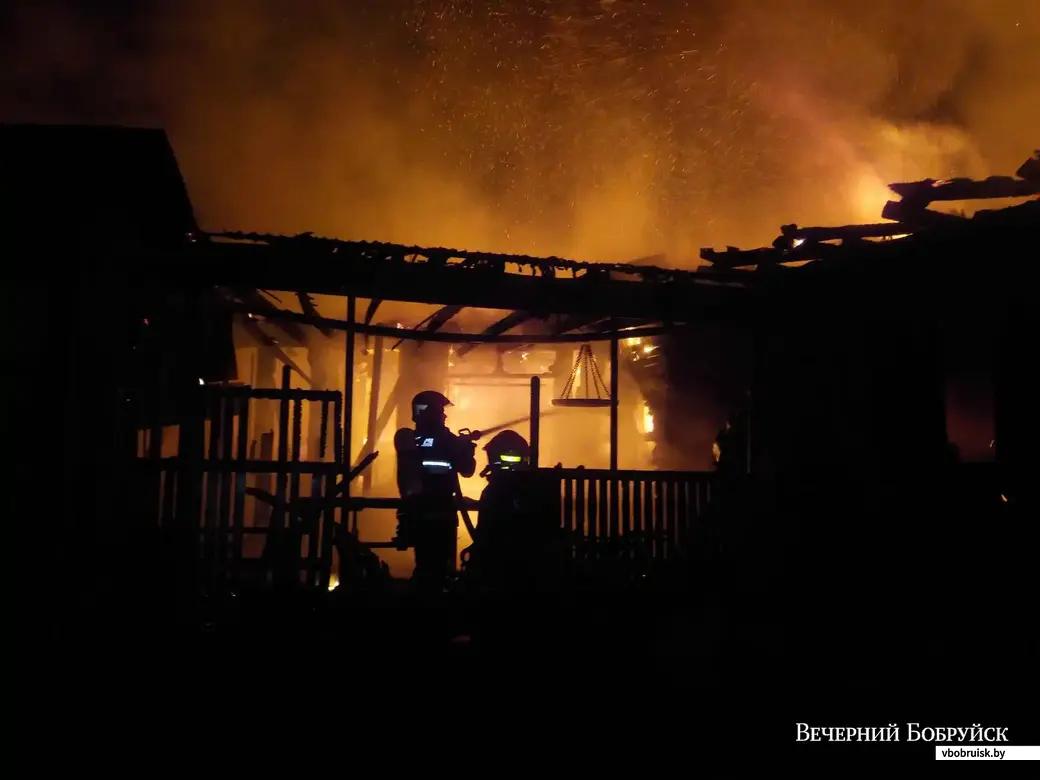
{"x":417,"y":275}
{"x":942,"y":263}
{"x":920,"y":248}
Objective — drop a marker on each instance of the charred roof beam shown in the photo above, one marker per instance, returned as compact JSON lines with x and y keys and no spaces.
{"x":441,"y":258}
{"x":311,"y":310}
{"x":508,"y":322}
{"x":479,"y":338}
{"x":296,"y":265}
{"x":434,"y":322}
{"x":565,"y":324}
{"x":922,"y":193}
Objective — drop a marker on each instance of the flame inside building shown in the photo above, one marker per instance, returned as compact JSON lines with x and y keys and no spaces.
{"x":488,"y":385}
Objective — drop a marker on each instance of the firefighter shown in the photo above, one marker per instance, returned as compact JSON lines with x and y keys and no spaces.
{"x":500,"y":502}
{"x":512,"y":531}
{"x":430,"y":459}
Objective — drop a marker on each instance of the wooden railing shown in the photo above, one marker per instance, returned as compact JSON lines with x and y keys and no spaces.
{"x":245,"y":505}
{"x":654,"y":515}
{"x":643,"y":516}
{"x":234,"y":496}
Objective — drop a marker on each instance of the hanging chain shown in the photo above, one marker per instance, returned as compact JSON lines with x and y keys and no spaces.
{"x":574,"y":372}
{"x":598,"y":377}
{"x":590,"y":378}
{"x":592,"y":375}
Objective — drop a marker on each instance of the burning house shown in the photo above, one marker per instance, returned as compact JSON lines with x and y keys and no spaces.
{"x":305,"y":352}
{"x":233,"y":388}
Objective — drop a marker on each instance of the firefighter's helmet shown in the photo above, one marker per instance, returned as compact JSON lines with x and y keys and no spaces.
{"x":428,"y":401}
{"x":508,"y":451}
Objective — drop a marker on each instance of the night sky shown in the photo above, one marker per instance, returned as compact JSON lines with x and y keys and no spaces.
{"x":598,"y":130}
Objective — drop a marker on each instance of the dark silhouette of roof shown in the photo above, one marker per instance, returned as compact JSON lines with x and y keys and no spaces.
{"x":94,"y":184}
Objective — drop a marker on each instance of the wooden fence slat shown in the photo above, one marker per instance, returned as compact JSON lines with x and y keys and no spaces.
{"x":615,"y":498}
{"x":226,"y":486}
{"x":212,"y":480}
{"x":328,"y":530}
{"x":637,"y":506}
{"x":263,"y":514}
{"x":649,"y":527}
{"x":592,"y":522}
{"x":637,"y":515}
{"x":585,"y":526}
{"x":661,"y":529}
{"x":294,"y":478}
{"x":240,"y":479}
{"x":628,"y":538}
{"x":604,"y":509}
{"x":678,"y":513}
{"x":567,"y":520}
{"x":281,"y":477}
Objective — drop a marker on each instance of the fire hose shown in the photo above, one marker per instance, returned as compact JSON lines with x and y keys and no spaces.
{"x":471,"y":436}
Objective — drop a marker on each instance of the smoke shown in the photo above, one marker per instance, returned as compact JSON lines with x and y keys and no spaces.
{"x":600,"y":130}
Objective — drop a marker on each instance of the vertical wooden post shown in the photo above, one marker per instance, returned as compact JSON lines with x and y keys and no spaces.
{"x":240,"y":480}
{"x":276,"y":529}
{"x":188,"y":511}
{"x":348,"y":403}
{"x":226,"y":486}
{"x":213,"y":478}
{"x":536,"y":405}
{"x":615,"y":354}
{"x":373,"y":410}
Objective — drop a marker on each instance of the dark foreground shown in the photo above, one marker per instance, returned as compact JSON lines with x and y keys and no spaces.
{"x":655,"y":641}
{"x":724,"y":663}
{"x":721,"y":677}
